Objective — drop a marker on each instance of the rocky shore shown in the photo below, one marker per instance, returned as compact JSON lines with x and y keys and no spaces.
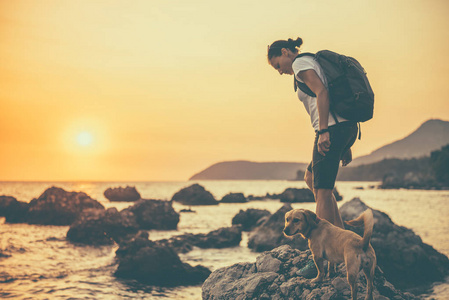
{"x":273,"y":277}
{"x":404,"y":261}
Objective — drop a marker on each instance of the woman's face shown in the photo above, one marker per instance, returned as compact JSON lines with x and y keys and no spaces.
{"x":283,"y":63}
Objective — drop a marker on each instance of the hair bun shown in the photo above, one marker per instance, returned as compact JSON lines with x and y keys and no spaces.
{"x":296,"y":43}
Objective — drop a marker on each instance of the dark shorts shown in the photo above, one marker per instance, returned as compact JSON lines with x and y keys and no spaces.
{"x":325,"y":168}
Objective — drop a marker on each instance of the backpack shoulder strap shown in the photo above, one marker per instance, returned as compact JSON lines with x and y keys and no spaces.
{"x":298,"y":84}
{"x":303,"y":87}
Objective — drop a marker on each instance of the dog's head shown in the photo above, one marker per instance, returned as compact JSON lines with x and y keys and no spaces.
{"x":300,"y":221}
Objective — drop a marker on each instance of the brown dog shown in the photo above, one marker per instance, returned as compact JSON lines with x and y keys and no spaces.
{"x":336,"y":245}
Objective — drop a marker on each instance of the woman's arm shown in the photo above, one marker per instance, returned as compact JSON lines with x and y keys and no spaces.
{"x":311,"y":79}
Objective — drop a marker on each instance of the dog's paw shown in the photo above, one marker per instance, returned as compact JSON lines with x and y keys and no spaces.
{"x":317,"y":279}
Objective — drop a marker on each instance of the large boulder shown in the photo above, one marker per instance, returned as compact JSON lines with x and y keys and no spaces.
{"x":220,"y":238}
{"x":194,"y":195}
{"x":14,"y":211}
{"x":273,"y":276}
{"x":269,"y":234}
{"x":155,"y":214}
{"x":234,"y":198}
{"x":58,"y":207}
{"x":406,"y":261}
{"x":100,"y":227}
{"x":127,"y":194}
{"x":155,"y":264}
{"x":292,"y":195}
{"x":250,"y":218}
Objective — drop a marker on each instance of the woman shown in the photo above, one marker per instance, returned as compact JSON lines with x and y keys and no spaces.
{"x":333,"y":139}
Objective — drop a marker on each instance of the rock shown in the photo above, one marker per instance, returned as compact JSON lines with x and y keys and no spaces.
{"x":406,"y":261}
{"x":267,"y":263}
{"x":220,"y":238}
{"x":292,"y":195}
{"x":58,"y":207}
{"x":234,"y":198}
{"x":268,"y":196}
{"x":409,"y":180}
{"x":155,"y":214}
{"x":14,"y":211}
{"x":100,"y":227}
{"x":194,"y":195}
{"x":128,"y":194}
{"x":249,"y":218}
{"x":269,"y":234}
{"x":155,"y":264}
{"x":270,"y":277}
{"x":3,"y":254}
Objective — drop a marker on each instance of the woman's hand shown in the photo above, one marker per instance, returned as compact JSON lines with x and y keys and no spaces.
{"x":324,"y":143}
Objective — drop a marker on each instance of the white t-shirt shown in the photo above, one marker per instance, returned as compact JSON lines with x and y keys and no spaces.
{"x":310,"y":103}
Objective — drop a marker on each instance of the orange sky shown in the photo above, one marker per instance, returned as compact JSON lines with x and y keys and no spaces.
{"x":167,"y":88}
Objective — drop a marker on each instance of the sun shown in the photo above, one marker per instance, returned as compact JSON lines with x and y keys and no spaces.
{"x":84,"y":139}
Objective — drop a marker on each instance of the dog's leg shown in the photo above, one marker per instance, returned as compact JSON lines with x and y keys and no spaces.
{"x":331,"y":269}
{"x":369,"y":274}
{"x":319,"y":266}
{"x":352,"y":270}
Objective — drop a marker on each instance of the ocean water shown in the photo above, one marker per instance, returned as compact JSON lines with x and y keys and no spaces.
{"x":43,"y":265}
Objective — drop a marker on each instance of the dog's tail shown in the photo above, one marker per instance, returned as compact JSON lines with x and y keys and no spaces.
{"x":364,"y":219}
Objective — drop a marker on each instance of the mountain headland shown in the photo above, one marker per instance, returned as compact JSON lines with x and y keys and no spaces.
{"x":408,"y":153}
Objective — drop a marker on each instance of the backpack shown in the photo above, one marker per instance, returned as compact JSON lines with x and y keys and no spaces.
{"x":350,"y":93}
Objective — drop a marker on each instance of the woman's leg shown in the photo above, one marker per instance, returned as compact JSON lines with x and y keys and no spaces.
{"x":326,"y":204}
{"x":326,"y":207}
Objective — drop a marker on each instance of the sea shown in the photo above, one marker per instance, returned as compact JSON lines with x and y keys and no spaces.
{"x":44,"y":265}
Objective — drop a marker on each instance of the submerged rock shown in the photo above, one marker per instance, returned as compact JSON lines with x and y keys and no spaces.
{"x":100,"y":227}
{"x":58,"y":207}
{"x":220,"y":238}
{"x":250,"y":218}
{"x":155,"y":264}
{"x":155,"y":214}
{"x":14,"y":211}
{"x":127,"y":194}
{"x":194,"y":195}
{"x":269,"y":234}
{"x":234,"y":198}
{"x":273,"y":276}
{"x":406,"y":261}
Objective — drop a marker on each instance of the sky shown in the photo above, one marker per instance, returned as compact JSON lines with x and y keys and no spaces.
{"x":119,"y":90}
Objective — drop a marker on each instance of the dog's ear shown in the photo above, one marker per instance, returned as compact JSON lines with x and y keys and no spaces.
{"x":311,"y":218}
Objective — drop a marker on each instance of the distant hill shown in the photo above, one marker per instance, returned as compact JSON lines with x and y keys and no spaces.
{"x":430,"y":136}
{"x":247,"y":170}
{"x":377,"y":171}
